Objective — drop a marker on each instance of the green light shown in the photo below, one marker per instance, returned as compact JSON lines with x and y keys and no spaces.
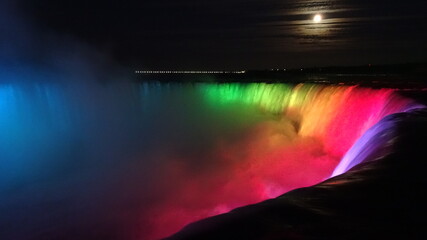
{"x":270,"y":97}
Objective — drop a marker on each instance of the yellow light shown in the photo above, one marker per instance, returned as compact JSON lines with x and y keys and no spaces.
{"x":317,"y":18}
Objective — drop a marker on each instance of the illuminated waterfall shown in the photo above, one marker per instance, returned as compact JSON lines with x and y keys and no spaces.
{"x":335,"y":114}
{"x":170,"y":154}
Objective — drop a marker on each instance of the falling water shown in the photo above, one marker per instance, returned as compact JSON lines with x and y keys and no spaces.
{"x":140,"y":161}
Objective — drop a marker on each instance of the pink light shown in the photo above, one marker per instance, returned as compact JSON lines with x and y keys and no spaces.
{"x":273,"y":157}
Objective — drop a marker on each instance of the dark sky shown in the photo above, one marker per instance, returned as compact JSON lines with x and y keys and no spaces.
{"x":241,"y":34}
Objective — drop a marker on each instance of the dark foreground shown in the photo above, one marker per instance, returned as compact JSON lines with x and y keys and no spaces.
{"x":383,"y":198}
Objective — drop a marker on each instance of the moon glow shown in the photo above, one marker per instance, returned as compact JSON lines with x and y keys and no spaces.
{"x":317,"y":18}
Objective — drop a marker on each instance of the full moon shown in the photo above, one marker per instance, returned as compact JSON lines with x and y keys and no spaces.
{"x":317,"y":18}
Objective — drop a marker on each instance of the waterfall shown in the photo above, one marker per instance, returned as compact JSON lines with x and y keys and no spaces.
{"x":170,"y":154}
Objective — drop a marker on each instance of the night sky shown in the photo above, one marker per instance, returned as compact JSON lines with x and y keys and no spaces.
{"x":239,"y":34}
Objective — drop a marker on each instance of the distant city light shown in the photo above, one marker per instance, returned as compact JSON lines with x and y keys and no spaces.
{"x":189,"y":72}
{"x":317,"y":18}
